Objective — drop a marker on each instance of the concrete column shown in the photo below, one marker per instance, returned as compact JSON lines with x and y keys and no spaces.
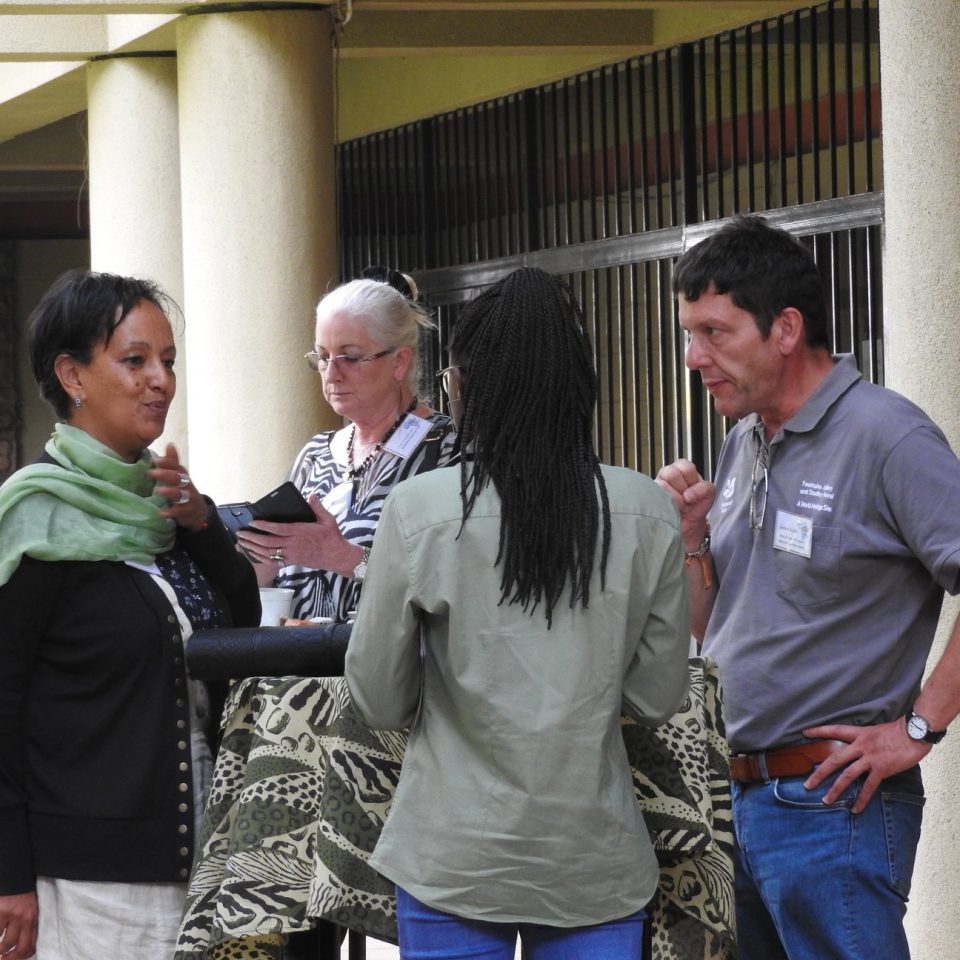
{"x":135,"y":227}
{"x":920,"y":76}
{"x":259,"y":212}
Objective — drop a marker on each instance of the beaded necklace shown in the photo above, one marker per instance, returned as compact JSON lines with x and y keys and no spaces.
{"x":355,"y":472}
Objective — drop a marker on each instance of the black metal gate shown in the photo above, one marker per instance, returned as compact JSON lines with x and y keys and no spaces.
{"x":605,"y":178}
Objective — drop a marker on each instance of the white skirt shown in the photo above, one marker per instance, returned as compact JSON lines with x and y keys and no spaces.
{"x":88,"y":920}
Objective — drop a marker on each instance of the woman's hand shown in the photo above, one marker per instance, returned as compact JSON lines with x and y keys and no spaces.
{"x":187,"y":506}
{"x":19,"y":917}
{"x":320,"y":545}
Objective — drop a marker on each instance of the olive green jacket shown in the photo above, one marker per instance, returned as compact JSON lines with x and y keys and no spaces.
{"x":515,"y":800}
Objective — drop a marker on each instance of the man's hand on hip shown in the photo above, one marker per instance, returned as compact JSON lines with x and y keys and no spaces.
{"x":875,"y":753}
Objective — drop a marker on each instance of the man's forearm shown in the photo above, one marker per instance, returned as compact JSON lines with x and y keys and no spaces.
{"x":939,"y":700}
{"x":702,"y":579}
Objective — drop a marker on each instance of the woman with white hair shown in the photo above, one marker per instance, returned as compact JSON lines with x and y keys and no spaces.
{"x":366,"y":350}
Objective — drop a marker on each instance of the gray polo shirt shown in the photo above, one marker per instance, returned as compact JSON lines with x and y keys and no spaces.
{"x":827,"y":613}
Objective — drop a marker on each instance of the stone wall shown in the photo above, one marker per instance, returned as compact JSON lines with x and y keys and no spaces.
{"x":9,"y":387}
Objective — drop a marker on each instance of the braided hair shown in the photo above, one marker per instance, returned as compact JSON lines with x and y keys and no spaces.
{"x":529,"y":394}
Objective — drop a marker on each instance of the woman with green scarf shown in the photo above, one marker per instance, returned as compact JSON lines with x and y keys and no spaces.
{"x":109,"y":560}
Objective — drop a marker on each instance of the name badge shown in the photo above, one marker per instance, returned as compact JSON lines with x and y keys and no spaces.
{"x":793,"y":534}
{"x":406,"y":438}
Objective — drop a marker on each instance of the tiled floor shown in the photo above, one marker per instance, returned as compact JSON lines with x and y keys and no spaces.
{"x":378,"y":950}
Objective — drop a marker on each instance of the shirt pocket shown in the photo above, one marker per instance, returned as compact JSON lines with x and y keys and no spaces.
{"x":813,"y":580}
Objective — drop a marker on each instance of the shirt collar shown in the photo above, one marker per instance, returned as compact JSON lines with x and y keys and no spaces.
{"x":836,"y":383}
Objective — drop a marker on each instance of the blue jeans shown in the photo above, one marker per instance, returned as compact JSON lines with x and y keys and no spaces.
{"x":428,"y":934}
{"x":816,"y":882}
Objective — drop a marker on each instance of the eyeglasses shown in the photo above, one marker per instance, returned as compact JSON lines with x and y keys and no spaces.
{"x":445,"y":376}
{"x":319,"y":362}
{"x":758,"y":502}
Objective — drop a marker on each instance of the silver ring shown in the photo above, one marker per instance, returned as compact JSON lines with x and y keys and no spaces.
{"x":184,"y":480}
{"x":184,"y":497}
{"x":278,"y":556}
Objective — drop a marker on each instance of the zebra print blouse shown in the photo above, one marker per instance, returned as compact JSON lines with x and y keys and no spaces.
{"x":320,"y":468}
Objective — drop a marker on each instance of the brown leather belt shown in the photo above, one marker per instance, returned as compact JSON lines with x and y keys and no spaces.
{"x":795,"y":761}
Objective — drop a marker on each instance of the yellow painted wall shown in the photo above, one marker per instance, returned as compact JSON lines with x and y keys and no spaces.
{"x":379,"y":94}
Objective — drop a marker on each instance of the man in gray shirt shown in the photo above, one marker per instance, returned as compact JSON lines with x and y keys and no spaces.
{"x":817,"y":567}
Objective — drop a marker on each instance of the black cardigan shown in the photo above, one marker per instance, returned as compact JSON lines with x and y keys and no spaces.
{"x":95,"y":773}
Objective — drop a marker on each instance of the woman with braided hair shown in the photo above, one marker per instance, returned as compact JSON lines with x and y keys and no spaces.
{"x":516,"y":604}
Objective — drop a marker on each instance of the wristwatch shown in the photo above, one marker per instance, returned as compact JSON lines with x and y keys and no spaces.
{"x":918,"y":728}
{"x":360,"y":570}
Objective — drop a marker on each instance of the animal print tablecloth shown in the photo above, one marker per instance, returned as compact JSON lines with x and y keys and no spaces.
{"x":301,"y":791}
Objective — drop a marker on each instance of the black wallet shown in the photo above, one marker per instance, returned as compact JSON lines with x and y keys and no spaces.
{"x":283,"y":505}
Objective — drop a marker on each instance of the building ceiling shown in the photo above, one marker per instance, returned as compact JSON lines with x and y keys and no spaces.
{"x":46,"y":44}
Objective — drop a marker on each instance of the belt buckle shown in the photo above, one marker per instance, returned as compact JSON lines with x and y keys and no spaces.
{"x":756,"y":764}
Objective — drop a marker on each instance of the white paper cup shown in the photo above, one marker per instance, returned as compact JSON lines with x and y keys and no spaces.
{"x":275,"y":603}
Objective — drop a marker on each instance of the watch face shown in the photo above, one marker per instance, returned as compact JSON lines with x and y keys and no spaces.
{"x":917,"y":727}
{"x":360,"y":570}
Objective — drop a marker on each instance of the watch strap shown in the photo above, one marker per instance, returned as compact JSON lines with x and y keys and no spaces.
{"x":360,"y":570}
{"x":931,"y":736}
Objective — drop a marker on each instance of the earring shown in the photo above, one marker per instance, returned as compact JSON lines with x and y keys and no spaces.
{"x":78,"y":401}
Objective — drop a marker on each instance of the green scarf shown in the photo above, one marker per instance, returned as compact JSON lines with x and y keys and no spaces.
{"x":90,"y":505}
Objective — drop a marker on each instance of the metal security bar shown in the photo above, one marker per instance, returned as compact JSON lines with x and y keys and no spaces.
{"x":605,"y":178}
{"x":787,"y":111}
